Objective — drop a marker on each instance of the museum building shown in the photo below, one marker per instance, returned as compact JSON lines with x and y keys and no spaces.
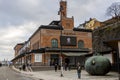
{"x":58,"y":39}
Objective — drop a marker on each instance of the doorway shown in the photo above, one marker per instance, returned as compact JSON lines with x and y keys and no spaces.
{"x":54,"y":59}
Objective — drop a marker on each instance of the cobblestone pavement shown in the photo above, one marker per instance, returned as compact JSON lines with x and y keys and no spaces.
{"x":69,"y":75}
{"x":72,"y":75}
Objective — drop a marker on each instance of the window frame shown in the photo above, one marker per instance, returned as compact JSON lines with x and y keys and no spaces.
{"x":54,"y":43}
{"x":81,"y":44}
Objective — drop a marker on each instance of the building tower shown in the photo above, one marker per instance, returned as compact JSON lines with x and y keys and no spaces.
{"x":67,"y":23}
{"x":63,"y":9}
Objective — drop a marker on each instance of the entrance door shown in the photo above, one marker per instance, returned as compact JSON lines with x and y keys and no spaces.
{"x":75,"y":59}
{"x":80,"y":59}
{"x":54,"y":58}
{"x":72,"y":60}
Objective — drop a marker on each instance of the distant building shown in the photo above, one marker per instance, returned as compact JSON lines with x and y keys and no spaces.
{"x":94,"y":23}
{"x":91,"y":24}
{"x":58,"y":39}
{"x":17,"y":48}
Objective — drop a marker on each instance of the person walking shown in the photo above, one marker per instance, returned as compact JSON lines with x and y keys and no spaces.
{"x":20,"y":67}
{"x":24,"y":67}
{"x":65,"y":66}
{"x":55,"y":67}
{"x":79,"y":68}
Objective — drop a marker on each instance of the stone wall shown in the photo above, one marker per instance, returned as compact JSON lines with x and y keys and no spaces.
{"x":103,"y":34}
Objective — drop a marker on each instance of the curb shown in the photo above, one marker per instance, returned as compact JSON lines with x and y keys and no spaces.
{"x":25,"y":72}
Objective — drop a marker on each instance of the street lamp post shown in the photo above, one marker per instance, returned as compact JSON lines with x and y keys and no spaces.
{"x":61,"y":63}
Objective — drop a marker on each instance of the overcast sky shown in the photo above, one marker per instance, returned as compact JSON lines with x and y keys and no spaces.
{"x":20,"y":18}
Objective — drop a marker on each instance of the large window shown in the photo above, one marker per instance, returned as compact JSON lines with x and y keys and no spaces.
{"x":54,"y":43}
{"x":81,"y":44}
{"x":38,"y":57}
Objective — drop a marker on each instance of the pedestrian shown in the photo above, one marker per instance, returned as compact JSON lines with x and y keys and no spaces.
{"x":79,"y":68}
{"x":55,"y":67}
{"x":20,"y":67}
{"x":29,"y":67}
{"x":59,"y":66}
{"x":69,"y":67}
{"x":65,"y":66}
{"x":24,"y":67}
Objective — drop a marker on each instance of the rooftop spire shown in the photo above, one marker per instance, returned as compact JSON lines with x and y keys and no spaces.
{"x":63,"y":9}
{"x":66,"y":23}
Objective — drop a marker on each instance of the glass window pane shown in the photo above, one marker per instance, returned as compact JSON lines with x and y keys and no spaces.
{"x":80,"y":44}
{"x":54,"y":43}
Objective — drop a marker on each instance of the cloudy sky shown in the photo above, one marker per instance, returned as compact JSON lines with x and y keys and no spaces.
{"x":20,"y":18}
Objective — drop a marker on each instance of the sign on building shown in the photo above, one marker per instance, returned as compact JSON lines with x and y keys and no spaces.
{"x":67,"y":41}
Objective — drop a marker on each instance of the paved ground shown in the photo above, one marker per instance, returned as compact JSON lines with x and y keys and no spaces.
{"x":69,"y":75}
{"x":7,"y":74}
{"x":72,"y":75}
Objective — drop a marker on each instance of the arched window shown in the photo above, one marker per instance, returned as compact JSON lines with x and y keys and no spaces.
{"x":81,"y":44}
{"x":54,"y":43}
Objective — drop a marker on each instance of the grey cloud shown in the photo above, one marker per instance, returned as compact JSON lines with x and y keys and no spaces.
{"x":82,"y":10}
{"x":17,"y":12}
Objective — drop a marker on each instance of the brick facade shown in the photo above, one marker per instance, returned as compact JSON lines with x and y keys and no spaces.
{"x":41,"y":50}
{"x":17,"y":48}
{"x":43,"y":37}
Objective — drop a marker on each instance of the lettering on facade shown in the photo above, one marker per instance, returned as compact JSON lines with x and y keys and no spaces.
{"x":68,"y":33}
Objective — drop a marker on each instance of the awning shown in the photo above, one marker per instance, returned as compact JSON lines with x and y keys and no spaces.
{"x":75,"y":54}
{"x":41,"y":50}
{"x":67,"y":50}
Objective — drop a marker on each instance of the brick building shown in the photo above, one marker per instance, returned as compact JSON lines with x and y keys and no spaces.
{"x":17,"y":48}
{"x":58,"y":39}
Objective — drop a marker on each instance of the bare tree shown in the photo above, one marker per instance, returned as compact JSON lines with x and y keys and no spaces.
{"x":114,"y":10}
